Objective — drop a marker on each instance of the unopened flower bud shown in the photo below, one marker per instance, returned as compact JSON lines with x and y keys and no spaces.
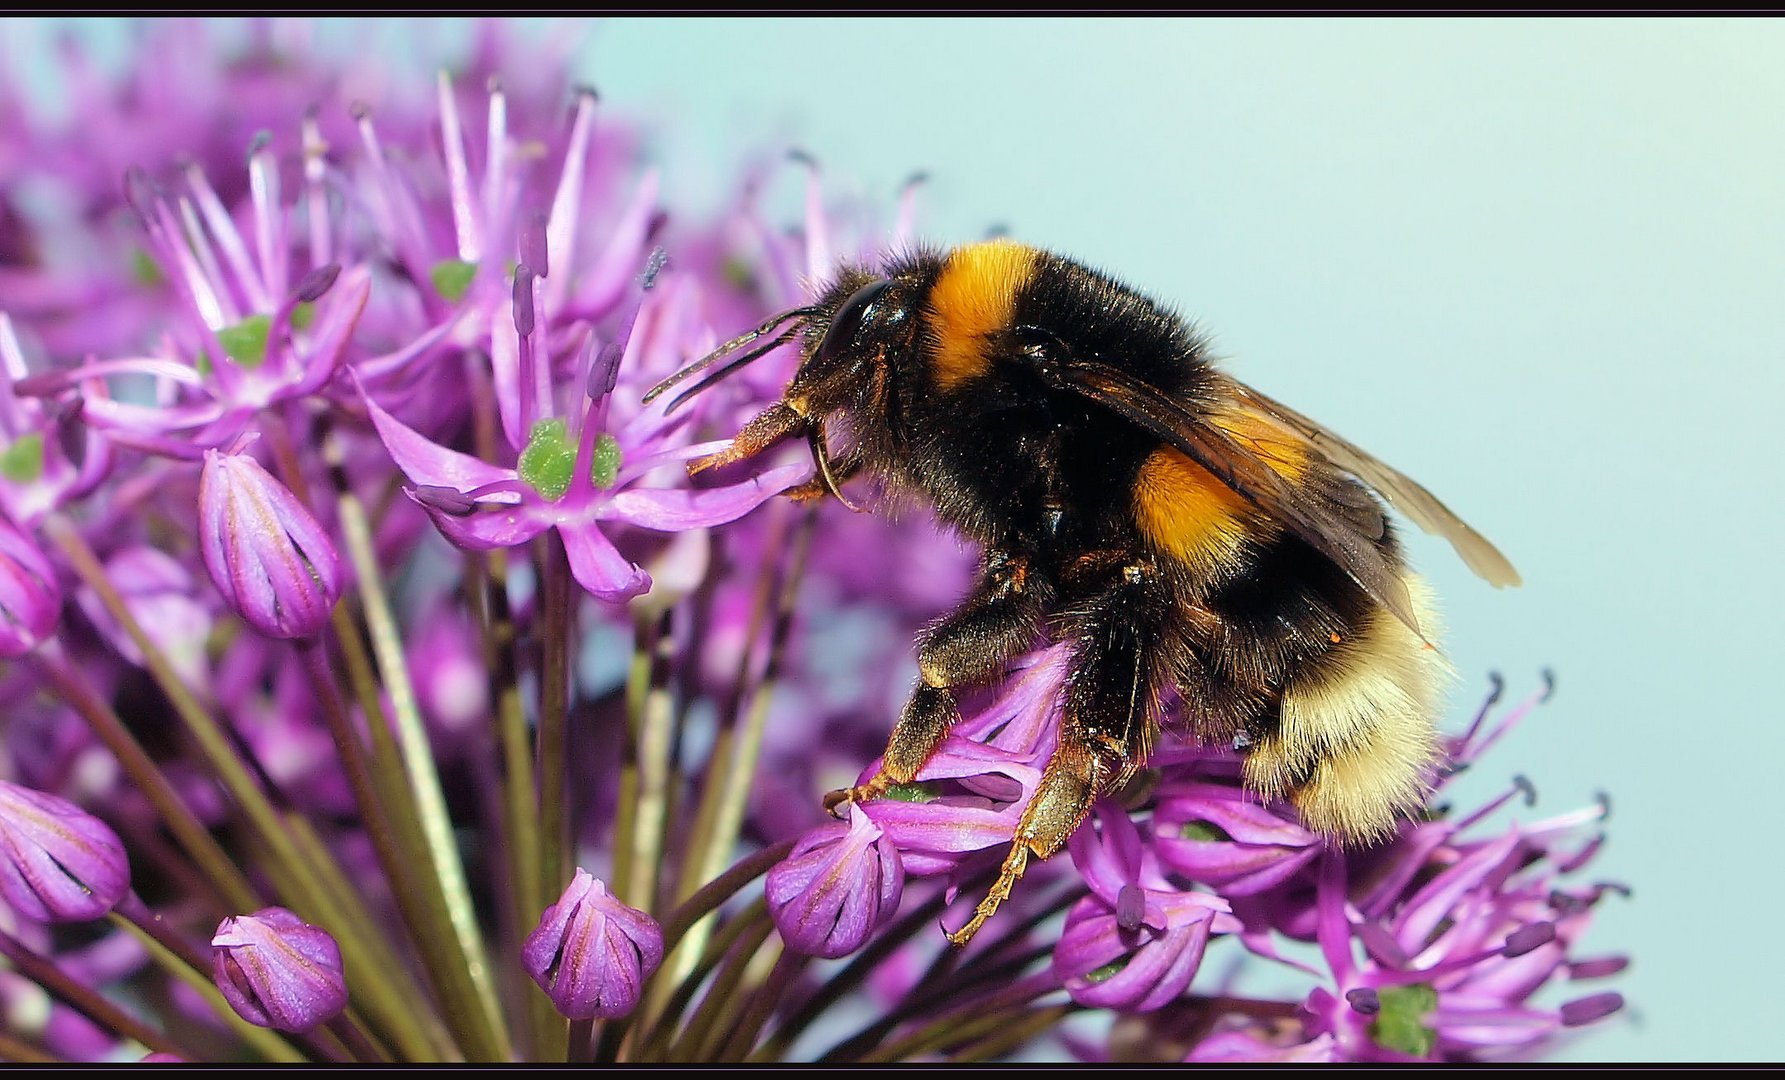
{"x":1105,"y":965}
{"x":58,"y":863}
{"x":837,"y":885}
{"x":30,"y":600}
{"x":271,"y":560}
{"x":592,"y":954}
{"x":279,"y":972}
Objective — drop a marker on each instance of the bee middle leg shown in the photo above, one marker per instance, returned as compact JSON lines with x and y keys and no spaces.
{"x":1107,"y":726}
{"x":997,"y":621}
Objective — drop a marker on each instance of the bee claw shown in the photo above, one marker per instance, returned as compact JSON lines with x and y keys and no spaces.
{"x":837,"y":803}
{"x":810,"y":491}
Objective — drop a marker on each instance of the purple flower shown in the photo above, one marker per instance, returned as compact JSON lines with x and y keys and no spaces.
{"x":1436,"y":944}
{"x":30,"y":599}
{"x":1221,"y":837}
{"x":278,"y":971}
{"x":837,"y":885}
{"x":578,"y":480}
{"x":970,"y":795}
{"x":50,"y":455}
{"x":592,"y":954}
{"x":60,"y":863}
{"x":1136,"y":942}
{"x":271,"y":560}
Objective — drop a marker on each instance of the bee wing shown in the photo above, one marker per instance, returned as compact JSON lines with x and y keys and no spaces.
{"x":1338,"y":524}
{"x":1421,"y":506}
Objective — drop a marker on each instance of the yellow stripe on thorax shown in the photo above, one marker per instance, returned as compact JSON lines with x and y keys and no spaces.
{"x":1187,"y":512}
{"x":974,"y":297}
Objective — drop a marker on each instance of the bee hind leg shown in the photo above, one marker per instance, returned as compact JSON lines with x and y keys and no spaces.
{"x":998,"y":620}
{"x":1107,"y":726}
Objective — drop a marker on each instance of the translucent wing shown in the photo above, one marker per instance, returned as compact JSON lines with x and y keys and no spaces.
{"x":1421,"y":506}
{"x":1334,"y":521}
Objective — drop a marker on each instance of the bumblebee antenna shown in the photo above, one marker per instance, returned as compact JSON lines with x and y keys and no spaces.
{"x":723,"y":373}
{"x":724,"y":351}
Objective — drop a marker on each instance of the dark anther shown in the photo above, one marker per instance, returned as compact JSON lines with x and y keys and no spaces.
{"x":1524,"y":784}
{"x":1131,"y":908}
{"x":444,"y":499}
{"x":71,"y":428}
{"x":605,"y":371}
{"x":1588,"y":1009}
{"x":1364,"y":1000}
{"x":1528,"y":938}
{"x":1549,"y":684}
{"x":523,"y":301}
{"x":317,"y":282}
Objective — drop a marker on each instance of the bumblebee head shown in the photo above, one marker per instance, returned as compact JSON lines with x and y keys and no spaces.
{"x":863,"y":325}
{"x":852,"y":337}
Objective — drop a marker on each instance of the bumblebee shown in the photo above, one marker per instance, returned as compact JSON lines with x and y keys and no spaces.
{"x":1180,"y":529}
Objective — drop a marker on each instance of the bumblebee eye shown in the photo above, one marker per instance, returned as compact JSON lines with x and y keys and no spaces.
{"x":855,"y":313}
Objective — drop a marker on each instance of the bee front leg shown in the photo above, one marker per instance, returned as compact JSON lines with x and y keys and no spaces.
{"x":1000,"y":619}
{"x":1106,"y":727}
{"x":764,"y":430}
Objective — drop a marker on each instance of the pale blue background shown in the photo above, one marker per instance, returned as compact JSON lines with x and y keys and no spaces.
{"x":1536,"y":264}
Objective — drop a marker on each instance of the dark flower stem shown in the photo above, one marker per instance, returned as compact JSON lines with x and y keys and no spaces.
{"x":396,"y":838}
{"x":890,"y":940}
{"x":483,"y":1030}
{"x":719,"y":890}
{"x":358,"y":1040}
{"x":710,"y":1023}
{"x":548,"y":818}
{"x":761,"y":1006}
{"x":1013,"y":1034}
{"x":218,"y":870}
{"x":739,"y":744}
{"x":658,"y":1036}
{"x":520,"y":811}
{"x":969,"y":1020}
{"x":649,"y":722}
{"x":20,"y":1051}
{"x":579,"y":1048}
{"x":83,"y":1000}
{"x":554,"y":711}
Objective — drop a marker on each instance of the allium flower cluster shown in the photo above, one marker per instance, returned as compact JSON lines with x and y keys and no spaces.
{"x":352,"y":602}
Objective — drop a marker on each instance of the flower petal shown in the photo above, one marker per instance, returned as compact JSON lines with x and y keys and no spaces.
{"x":600,"y":568}
{"x":675,"y":509}
{"x":427,"y":462}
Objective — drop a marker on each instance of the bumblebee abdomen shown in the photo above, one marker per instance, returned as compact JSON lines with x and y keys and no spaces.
{"x":1189,"y":515}
{"x":1335,"y":694}
{"x":1353,"y":734}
